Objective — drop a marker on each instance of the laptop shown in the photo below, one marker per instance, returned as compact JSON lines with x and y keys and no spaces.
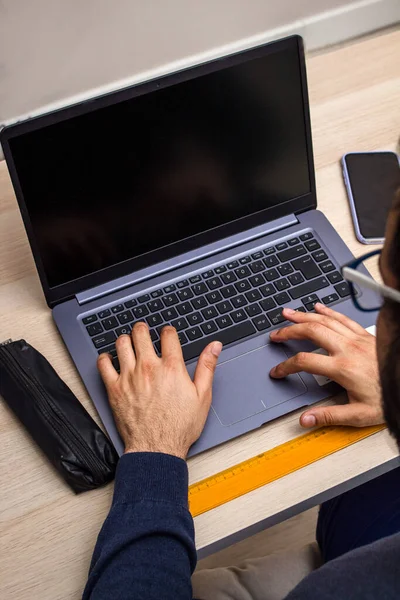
{"x":187,"y":200}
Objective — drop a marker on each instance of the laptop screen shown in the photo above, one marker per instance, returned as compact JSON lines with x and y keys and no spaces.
{"x":143,"y":173}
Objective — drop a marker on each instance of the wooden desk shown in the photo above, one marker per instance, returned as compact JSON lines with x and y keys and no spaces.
{"x":46,"y":533}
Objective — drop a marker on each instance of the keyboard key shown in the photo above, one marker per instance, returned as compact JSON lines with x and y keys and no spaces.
{"x":257,"y":255}
{"x":185,"y":294}
{"x":309,"y":287}
{"x":182,"y":338}
{"x":261,"y":322}
{"x":110,"y":323}
{"x":198,"y":303}
{"x":125,"y":330}
{"x":224,"y":307}
{"x":269,"y":251}
{"x":104,"y":339}
{"x":172,"y":299}
{"x":253,"y":310}
{"x":180,"y":323}
{"x":267,"y":304}
{"x":253,"y":296}
{"x":327,"y":266}
{"x":275,"y":316}
{"x":293,"y":241}
{"x":233,"y":264}
{"x":307,"y":267}
{"x":90,"y":319}
{"x":238,"y":315}
{"x":257,"y":280}
{"x":157,"y":293}
{"x":244,"y":260}
{"x":306,"y":236}
{"x":226,"y":336}
{"x":271,"y":261}
{"x":300,"y":309}
{"x":214,"y":283}
{"x":310,"y":305}
{"x":285,"y":269}
{"x":140,"y":312}
{"x":125,"y":317}
{"x":115,"y":363}
{"x":144,"y":298}
{"x":296,"y":278}
{"x":257,"y":266}
{"x":195,"y":318}
{"x":239,"y":301}
{"x":94,"y":329}
{"x":281,"y":246}
{"x":182,"y":284}
{"x":210,"y":312}
{"x":342,"y":289}
{"x":193,"y":333}
{"x":170,"y":288}
{"x":267,"y":290}
{"x":310,"y":298}
{"x":184,"y":308}
{"x":157,"y":346}
{"x":208,"y":274}
{"x":154,"y":320}
{"x":243,"y":272}
{"x":224,"y":321}
{"x":228,"y":277}
{"x":199,"y":288}
{"x":104,"y":313}
{"x":195,"y":279}
{"x":109,"y":350}
{"x":229,"y":291}
{"x":319,"y":255}
{"x":153,"y":335}
{"x":242,"y":286}
{"x":330,"y":298}
{"x":214,"y":297}
{"x":335,"y":277}
{"x":169,"y":314}
{"x":209,"y":327}
{"x":312,"y":245}
{"x":271,"y":275}
{"x":291,"y":253}
{"x":219,"y":270}
{"x":282,"y":284}
{"x":130,"y":303}
{"x":282,"y":298}
{"x":118,"y":308}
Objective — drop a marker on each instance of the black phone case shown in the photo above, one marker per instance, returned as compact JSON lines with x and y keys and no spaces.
{"x":55,"y":418}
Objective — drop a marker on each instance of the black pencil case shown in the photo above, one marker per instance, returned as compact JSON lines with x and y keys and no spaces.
{"x":55,"y":418}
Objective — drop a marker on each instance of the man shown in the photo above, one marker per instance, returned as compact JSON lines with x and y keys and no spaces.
{"x":146,"y":549}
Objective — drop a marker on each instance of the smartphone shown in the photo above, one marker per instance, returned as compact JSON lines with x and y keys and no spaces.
{"x":371,"y":180}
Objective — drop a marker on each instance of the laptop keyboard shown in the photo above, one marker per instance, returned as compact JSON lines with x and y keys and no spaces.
{"x":230,"y":302}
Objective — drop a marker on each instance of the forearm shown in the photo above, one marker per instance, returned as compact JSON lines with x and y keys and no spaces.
{"x":146,"y":546}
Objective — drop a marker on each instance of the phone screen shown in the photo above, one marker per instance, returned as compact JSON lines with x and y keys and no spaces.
{"x":372,"y":180}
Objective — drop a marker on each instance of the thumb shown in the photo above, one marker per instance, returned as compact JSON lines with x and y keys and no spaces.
{"x":204,"y":374}
{"x":353,"y":415}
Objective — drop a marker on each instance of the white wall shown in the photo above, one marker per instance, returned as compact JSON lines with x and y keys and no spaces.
{"x":57,"y":51}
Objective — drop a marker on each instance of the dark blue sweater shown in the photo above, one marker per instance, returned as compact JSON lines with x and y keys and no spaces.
{"x":146,"y":550}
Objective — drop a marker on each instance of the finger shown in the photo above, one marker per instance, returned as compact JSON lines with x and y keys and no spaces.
{"x":170,"y":344}
{"x":296,"y":316}
{"x":204,"y":374}
{"x":314,"y":332}
{"x":354,"y":415}
{"x":126,"y":355}
{"x":333,"y":314}
{"x":316,"y":364}
{"x":142,"y":341}
{"x":108,"y":374}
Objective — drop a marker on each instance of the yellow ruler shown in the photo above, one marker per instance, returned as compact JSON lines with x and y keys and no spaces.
{"x":271,"y":465}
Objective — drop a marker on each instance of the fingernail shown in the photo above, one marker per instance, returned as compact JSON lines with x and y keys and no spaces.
{"x":289,"y":311}
{"x":309,"y":421}
{"x":216,"y":348}
{"x":273,"y":372}
{"x":319,"y":305}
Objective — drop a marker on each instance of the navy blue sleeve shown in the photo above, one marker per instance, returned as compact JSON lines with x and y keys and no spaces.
{"x":146,"y":547}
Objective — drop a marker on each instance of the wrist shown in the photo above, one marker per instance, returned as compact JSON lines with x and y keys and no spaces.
{"x":161,"y":449}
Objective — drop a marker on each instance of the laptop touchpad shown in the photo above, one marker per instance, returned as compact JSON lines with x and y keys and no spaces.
{"x":243,"y":387}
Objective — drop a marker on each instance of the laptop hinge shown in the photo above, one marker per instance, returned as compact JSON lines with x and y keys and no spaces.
{"x":185,"y":259}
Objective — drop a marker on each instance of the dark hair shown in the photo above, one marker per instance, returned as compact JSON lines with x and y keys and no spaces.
{"x":394,"y":250}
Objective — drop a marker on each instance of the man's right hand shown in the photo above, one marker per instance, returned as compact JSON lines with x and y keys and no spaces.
{"x":351,"y":362}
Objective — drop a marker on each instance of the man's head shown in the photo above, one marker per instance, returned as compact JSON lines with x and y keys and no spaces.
{"x":388,"y":329}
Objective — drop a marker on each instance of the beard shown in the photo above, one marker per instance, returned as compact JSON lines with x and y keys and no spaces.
{"x":390,"y":383}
